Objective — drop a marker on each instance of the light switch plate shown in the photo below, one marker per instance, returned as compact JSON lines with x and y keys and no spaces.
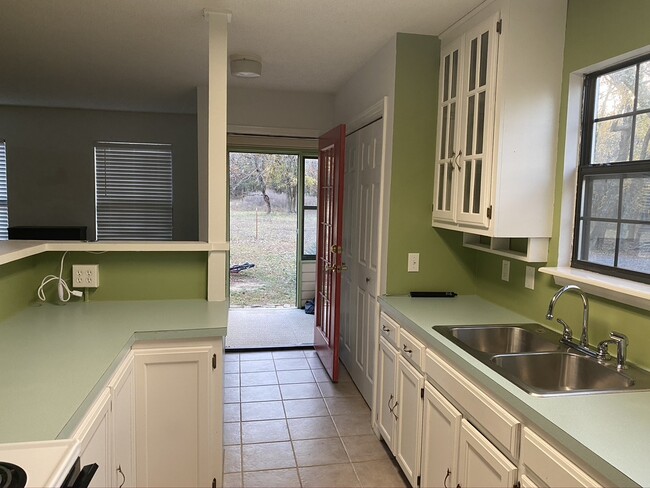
{"x":414,"y":262}
{"x":505,"y":270}
{"x":530,"y":277}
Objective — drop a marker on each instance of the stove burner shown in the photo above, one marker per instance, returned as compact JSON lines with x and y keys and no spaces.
{"x":12,"y":476}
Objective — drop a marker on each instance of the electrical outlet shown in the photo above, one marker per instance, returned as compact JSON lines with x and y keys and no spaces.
{"x":530,"y":277}
{"x":414,"y":262}
{"x":85,"y":275}
{"x":505,"y":270}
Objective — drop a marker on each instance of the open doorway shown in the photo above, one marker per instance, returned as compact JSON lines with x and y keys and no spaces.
{"x":272,"y":243}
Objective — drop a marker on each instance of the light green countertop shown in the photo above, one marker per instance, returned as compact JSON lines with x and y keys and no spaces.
{"x":55,"y":358}
{"x":609,"y":432}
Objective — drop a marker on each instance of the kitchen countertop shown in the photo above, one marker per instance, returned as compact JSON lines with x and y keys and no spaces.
{"x":609,"y":432}
{"x":56,"y":358}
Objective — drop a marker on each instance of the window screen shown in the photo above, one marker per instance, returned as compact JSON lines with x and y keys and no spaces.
{"x":133,"y":191}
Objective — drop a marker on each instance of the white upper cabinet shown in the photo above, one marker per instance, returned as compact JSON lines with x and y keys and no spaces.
{"x":498,"y":112}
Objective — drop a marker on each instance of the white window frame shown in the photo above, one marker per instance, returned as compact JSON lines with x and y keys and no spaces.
{"x":153,"y":219}
{"x":617,"y":289}
{"x":4,"y":201}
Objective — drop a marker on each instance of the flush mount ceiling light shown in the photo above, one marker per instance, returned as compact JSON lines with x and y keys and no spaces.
{"x":245,"y":66}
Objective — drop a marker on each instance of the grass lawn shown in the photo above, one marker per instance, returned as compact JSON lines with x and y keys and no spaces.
{"x":272,"y":282}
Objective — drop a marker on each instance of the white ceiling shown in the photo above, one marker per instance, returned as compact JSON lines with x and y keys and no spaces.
{"x":150,"y":54}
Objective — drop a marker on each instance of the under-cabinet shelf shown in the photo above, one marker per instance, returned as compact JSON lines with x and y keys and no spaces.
{"x":530,"y":250}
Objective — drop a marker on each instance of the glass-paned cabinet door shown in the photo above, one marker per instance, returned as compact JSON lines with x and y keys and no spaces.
{"x":475,"y":153}
{"x":448,"y":140}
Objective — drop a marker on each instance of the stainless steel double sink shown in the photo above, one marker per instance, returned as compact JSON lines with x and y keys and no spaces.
{"x":533,"y":358}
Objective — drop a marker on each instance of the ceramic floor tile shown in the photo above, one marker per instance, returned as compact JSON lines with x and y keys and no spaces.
{"x":333,"y":476}
{"x":260,"y":393}
{"x":362,"y":448}
{"x":276,"y":478}
{"x":231,"y":395}
{"x":380,"y":474}
{"x":310,"y":353}
{"x":289,"y":354}
{"x":262,"y":411}
{"x":312,"y":428}
{"x":231,"y":412}
{"x":330,"y":389}
{"x":347,"y":406}
{"x":352,"y":424}
{"x":258,"y":379}
{"x":231,"y":356}
{"x":316,"y":452}
{"x":254,"y":356}
{"x":295,"y":376}
{"x":231,"y":433}
{"x":314,"y":363}
{"x":232,"y":480}
{"x":231,"y":459}
{"x":310,"y":407}
{"x":264,"y":431}
{"x":320,"y":374}
{"x":230,"y":380}
{"x":300,"y":390}
{"x":290,"y":364}
{"x":231,"y":367}
{"x":272,"y":455}
{"x":257,"y":366}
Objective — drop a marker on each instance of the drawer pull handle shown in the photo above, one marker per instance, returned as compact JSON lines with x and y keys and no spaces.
{"x":390,"y":408}
{"x":407,"y":351}
{"x":119,"y":470}
{"x":385,"y":329}
{"x":444,"y":483}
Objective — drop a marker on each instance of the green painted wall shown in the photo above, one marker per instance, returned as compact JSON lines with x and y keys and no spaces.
{"x":597,"y":30}
{"x":123,"y":276}
{"x":444,"y":264}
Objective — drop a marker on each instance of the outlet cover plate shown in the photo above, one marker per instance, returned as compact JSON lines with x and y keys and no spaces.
{"x":505,"y":270}
{"x":414,"y":262}
{"x":530,"y":278}
{"x":85,"y":275}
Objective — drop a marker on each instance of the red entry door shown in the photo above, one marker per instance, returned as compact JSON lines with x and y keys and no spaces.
{"x":331,"y":158}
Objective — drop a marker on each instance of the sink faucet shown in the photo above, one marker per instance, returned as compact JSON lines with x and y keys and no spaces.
{"x":621,"y":342}
{"x":567,"y":335}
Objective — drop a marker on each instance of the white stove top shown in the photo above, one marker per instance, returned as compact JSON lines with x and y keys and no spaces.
{"x":46,"y":463}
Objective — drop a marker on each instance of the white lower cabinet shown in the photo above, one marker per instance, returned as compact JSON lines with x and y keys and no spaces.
{"x":480,"y":463}
{"x":176,"y":419}
{"x":385,"y":404}
{"x":95,"y":437}
{"x":158,"y":422}
{"x":123,"y":397}
{"x":440,"y":439}
{"x":446,"y":431}
{"x":408,"y":417}
{"x":544,"y":465}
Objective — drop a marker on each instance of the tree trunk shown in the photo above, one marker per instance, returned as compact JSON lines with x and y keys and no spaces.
{"x":260,"y":177}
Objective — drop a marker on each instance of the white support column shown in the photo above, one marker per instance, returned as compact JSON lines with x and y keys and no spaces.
{"x":217,"y":172}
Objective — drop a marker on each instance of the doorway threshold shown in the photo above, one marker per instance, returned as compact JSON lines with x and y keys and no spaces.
{"x":269,"y":328}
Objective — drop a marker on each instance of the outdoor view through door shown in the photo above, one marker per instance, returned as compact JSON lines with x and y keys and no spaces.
{"x":266,"y":219}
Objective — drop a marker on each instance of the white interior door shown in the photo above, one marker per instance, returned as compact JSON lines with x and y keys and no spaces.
{"x":362,"y":207}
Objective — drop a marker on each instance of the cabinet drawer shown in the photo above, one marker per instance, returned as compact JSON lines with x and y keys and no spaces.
{"x":411,"y":348}
{"x":543,"y":461}
{"x":496,"y":422}
{"x":388,"y":329}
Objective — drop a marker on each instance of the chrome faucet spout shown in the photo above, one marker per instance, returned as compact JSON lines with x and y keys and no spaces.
{"x":584,"y":337}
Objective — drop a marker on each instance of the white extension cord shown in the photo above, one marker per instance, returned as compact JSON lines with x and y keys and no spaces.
{"x":64,"y":291}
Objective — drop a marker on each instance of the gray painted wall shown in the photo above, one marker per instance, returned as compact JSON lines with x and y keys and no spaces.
{"x":50,"y":167}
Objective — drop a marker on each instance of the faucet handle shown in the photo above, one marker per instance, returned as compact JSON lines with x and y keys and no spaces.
{"x":622,"y":342}
{"x":567,"y":334}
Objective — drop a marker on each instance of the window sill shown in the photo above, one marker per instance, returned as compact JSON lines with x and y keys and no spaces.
{"x":616,"y":289}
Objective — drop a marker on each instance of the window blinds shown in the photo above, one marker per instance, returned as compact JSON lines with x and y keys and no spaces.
{"x":4,"y":209}
{"x":133,"y":191}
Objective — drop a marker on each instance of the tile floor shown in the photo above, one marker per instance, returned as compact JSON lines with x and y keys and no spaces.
{"x":287,"y":425}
